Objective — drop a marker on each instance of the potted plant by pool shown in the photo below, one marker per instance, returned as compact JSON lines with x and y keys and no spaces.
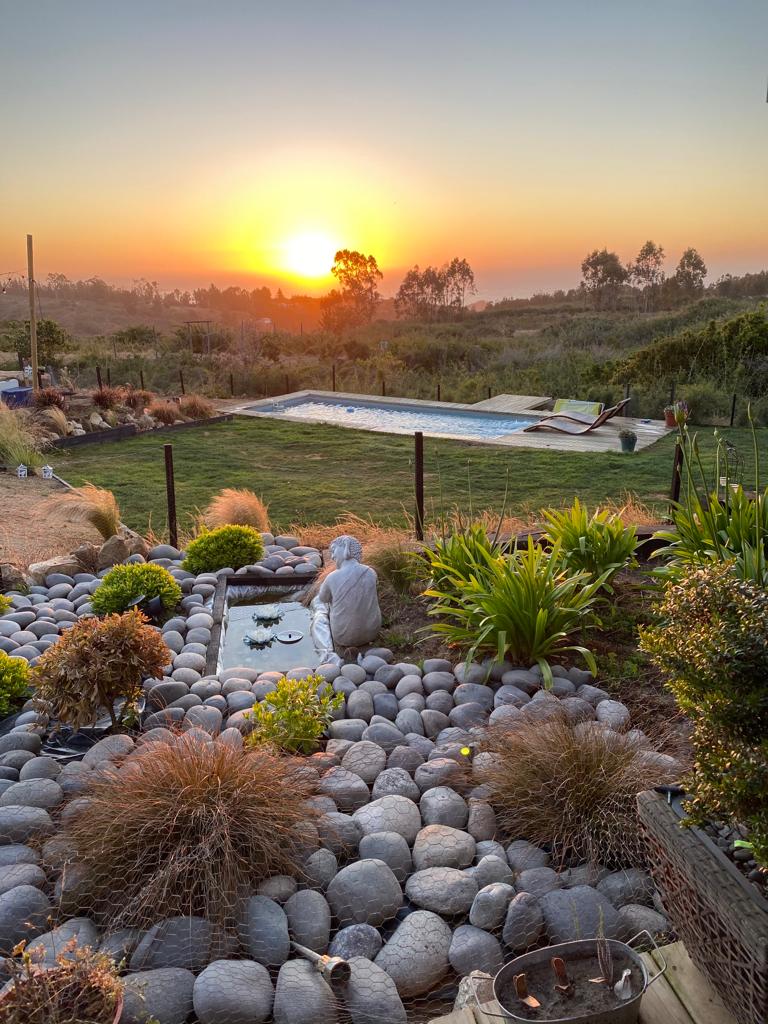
{"x":676,"y":414}
{"x":628,"y":440}
{"x":708,"y":849}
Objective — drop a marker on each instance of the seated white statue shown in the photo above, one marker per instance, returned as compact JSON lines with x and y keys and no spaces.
{"x":346,"y":611}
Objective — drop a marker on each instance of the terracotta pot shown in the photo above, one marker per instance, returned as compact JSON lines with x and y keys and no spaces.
{"x":669,"y":418}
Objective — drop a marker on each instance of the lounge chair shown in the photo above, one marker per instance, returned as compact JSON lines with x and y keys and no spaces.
{"x":575,"y":423}
{"x":571,"y":405}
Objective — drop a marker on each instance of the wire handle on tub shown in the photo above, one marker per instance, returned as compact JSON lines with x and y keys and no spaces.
{"x":656,"y":947}
{"x":474,"y":982}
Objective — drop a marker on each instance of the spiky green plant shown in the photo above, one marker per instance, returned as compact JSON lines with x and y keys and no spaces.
{"x":459,"y":557}
{"x":600,"y":544}
{"x":525,"y":607}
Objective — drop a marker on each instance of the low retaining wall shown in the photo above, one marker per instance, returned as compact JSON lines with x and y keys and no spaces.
{"x":131,"y":430}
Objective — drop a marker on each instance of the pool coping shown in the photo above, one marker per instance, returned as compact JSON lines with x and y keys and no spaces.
{"x":648,"y":431}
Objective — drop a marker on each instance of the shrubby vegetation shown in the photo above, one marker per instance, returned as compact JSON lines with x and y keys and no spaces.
{"x":295,"y":715}
{"x":227,"y":547}
{"x":600,"y":545}
{"x":14,"y":678}
{"x":125,"y":583}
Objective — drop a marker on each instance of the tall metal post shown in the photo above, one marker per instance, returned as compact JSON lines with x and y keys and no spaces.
{"x":170,"y":492}
{"x":418,"y":472}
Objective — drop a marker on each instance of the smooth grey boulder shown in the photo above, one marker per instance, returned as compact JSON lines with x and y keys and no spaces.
{"x":23,"y":915}
{"x":339,"y":833}
{"x":207,"y":718}
{"x":263,"y":931}
{"x":390,"y":847}
{"x":30,"y":741}
{"x":309,"y":919}
{"x":443,"y":846}
{"x":395,"y":782}
{"x":579,"y":913}
{"x":120,"y":945}
{"x":489,"y":907}
{"x":613,"y":713}
{"x":524,"y":923}
{"x":164,"y":995}
{"x":56,"y":943}
{"x":538,"y":880}
{"x":320,"y":868}
{"x":277,"y":887}
{"x":416,"y":956}
{"x":365,"y":892}
{"x":387,"y":735}
{"x":233,"y":992}
{"x":523,"y":855}
{"x":40,"y":768}
{"x":17,"y":853}
{"x":481,"y":823}
{"x":491,"y":869}
{"x":443,"y":806}
{"x":441,"y":771}
{"x":22,"y":824}
{"x":630,"y":886}
{"x":302,"y":996}
{"x":365,"y":759}
{"x":636,"y":918}
{"x":346,"y":788}
{"x":45,"y":793}
{"x":473,"y":949}
{"x":359,"y":704}
{"x":175,"y":942}
{"x":390,"y":814}
{"x":21,"y":874}
{"x":445,"y":891}
{"x":371,"y":997}
{"x":407,"y":758}
{"x":356,"y":940}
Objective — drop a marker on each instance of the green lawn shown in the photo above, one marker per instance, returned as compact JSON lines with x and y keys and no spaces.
{"x":314,"y":473}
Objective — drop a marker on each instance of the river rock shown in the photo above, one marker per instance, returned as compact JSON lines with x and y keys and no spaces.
{"x":391,"y":848}
{"x":233,"y":992}
{"x":371,"y":997}
{"x":263,"y":931}
{"x":356,"y":940}
{"x":524,"y":923}
{"x":489,"y":907}
{"x":442,"y":846}
{"x":579,"y":913}
{"x":365,"y":892}
{"x":630,"y":886}
{"x":443,"y":806}
{"x":302,"y":996}
{"x":445,"y":891}
{"x":390,"y":814}
{"x":416,"y":956}
{"x":164,"y":995}
{"x":395,"y":782}
{"x":174,"y":942}
{"x":309,"y":919}
{"x":24,"y":911}
{"x":346,"y":788}
{"x":365,"y":759}
{"x":473,"y":949}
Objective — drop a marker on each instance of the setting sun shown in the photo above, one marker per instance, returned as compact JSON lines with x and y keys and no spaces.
{"x":309,"y":255}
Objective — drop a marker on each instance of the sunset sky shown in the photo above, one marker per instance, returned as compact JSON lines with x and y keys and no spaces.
{"x":240,"y":141}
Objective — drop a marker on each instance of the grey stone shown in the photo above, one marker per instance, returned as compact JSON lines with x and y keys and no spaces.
{"x":278,"y":888}
{"x":46,"y":948}
{"x":356,"y":940}
{"x":263,"y":931}
{"x":433,"y":722}
{"x":468,"y":716}
{"x":443,"y":806}
{"x":23,"y":915}
{"x":395,"y":782}
{"x":21,"y":824}
{"x":17,"y":853}
{"x":391,"y":848}
{"x":635,"y":918}
{"x":360,"y":705}
{"x":481,"y":823}
{"x":120,"y":945}
{"x":365,"y":759}
{"x":630,"y":886}
{"x":309,"y":919}
{"x":371,"y":997}
{"x":355,"y":673}
{"x":579,"y":913}
{"x":442,"y":771}
{"x":175,"y":942}
{"x":438,"y":680}
{"x":613,"y":713}
{"x":416,"y":956}
{"x":233,"y":992}
{"x":348,"y":729}
{"x":390,"y":814}
{"x":21,"y":874}
{"x":207,"y":718}
{"x":472,"y":674}
{"x":163,"y":694}
{"x":302,"y":996}
{"x":164,"y":995}
{"x":45,"y":793}
{"x":21,"y":741}
{"x":409,"y":720}
{"x":387,"y":735}
{"x":320,"y":868}
{"x":492,"y":869}
{"x":40,"y":768}
{"x":538,"y":881}
{"x":390,"y":675}
{"x":523,"y":855}
{"x":473,"y":949}
{"x":407,"y":758}
{"x":524,"y":923}
{"x":339,"y":833}
{"x":445,"y":891}
{"x":346,"y":788}
{"x":365,"y":892}
{"x":442,"y":846}
{"x":489,"y":907}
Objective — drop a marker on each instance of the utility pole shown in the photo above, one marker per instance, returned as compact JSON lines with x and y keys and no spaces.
{"x":32,"y":317}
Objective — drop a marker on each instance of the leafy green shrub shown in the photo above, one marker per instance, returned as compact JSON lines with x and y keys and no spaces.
{"x":229,"y":546}
{"x":711,"y":643}
{"x":463,"y":555}
{"x":94,"y":664}
{"x":524,"y":607}
{"x":124,"y":583}
{"x":294,"y":716}
{"x":600,"y":545}
{"x":5,"y":604}
{"x":14,"y":681}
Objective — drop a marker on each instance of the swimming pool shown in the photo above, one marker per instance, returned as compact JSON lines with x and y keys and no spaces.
{"x":394,"y":417}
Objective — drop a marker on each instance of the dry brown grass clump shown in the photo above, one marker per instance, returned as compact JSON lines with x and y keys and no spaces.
{"x":187,"y":827}
{"x":86,"y":504}
{"x":138,"y":398}
{"x":53,"y":418}
{"x":44,"y":398}
{"x":108,"y":397}
{"x":195,"y":407}
{"x":236,"y":507}
{"x":83,"y":988}
{"x":164,"y":411}
{"x":571,"y":788}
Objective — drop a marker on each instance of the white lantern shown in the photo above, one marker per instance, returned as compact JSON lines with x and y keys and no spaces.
{"x":21,"y":472}
{"x":27,"y":373}
{"x":47,"y":472}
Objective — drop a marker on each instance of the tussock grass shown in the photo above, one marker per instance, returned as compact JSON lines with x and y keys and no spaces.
{"x":196,"y":407}
{"x":235,"y":506}
{"x":18,"y":441}
{"x":165,"y":412}
{"x":55,"y":418}
{"x":86,"y":504}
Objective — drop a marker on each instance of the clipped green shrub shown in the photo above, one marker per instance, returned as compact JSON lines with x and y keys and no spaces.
{"x":524,"y":607}
{"x":14,"y":681}
{"x":96,"y":663}
{"x":294,"y":716}
{"x":229,"y":546}
{"x":125,"y":583}
{"x":599,"y":544}
{"x":711,"y":643}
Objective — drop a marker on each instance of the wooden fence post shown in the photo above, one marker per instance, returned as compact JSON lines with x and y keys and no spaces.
{"x":383,"y":388}
{"x":333,"y":377}
{"x":232,"y":384}
{"x":677,"y":472}
{"x":438,"y":392}
{"x":141,"y":378}
{"x":733,"y":409}
{"x":181,"y":381}
{"x":170,"y":492}
{"x":109,"y":377}
{"x":98,"y":378}
{"x":418,"y":472}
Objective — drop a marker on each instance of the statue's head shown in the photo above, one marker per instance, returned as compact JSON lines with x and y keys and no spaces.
{"x":345,"y":548}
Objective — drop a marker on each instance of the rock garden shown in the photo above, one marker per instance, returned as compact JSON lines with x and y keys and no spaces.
{"x":347,"y":840}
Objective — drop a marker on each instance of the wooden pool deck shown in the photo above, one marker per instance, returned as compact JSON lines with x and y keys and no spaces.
{"x":682,"y":995}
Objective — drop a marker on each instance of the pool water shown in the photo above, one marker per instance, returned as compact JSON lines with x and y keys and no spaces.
{"x":390,"y":418}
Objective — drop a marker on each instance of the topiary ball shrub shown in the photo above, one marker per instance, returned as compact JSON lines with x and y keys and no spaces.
{"x":571,"y":789}
{"x":187,"y":827}
{"x":295,"y":715}
{"x":14,"y":681}
{"x":94,"y":664}
{"x":229,"y":546}
{"x":125,"y":583}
